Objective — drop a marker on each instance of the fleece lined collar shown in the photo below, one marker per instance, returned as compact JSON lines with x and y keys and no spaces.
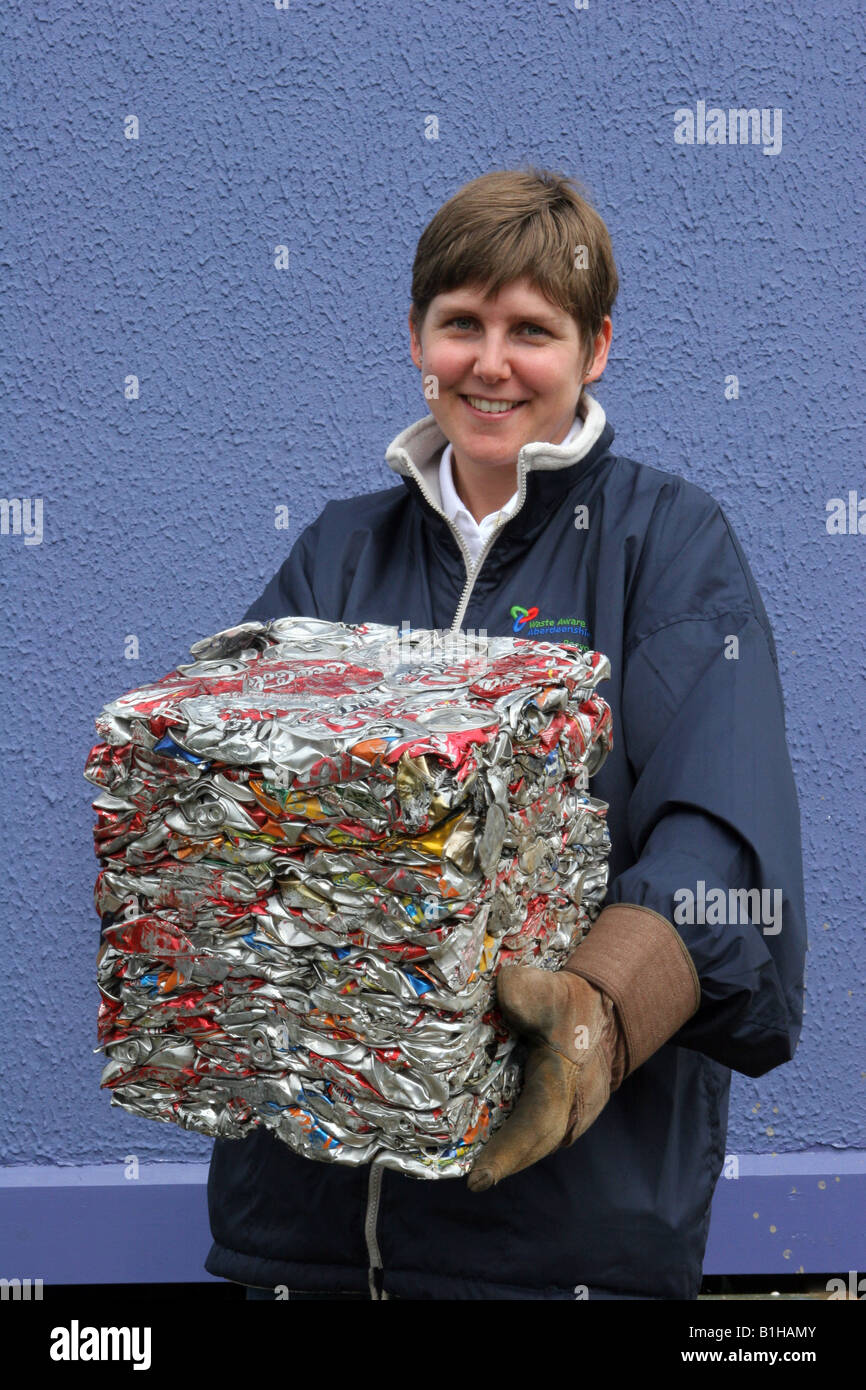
{"x":417,"y":450}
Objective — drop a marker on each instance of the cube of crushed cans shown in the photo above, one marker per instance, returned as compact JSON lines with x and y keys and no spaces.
{"x":318,"y":844}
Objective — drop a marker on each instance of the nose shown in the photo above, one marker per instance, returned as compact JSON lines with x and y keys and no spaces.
{"x":491,"y":363}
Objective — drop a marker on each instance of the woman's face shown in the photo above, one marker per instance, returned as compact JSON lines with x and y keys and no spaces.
{"x":519,"y":349}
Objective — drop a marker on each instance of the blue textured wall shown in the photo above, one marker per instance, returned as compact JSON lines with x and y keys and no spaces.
{"x":154,"y":257}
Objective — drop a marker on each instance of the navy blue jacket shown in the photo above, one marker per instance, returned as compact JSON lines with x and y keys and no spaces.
{"x":702,"y":798}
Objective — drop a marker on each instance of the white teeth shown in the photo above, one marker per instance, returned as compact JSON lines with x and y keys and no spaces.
{"x":491,"y":407}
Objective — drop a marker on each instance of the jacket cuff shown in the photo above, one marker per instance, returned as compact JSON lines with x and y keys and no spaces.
{"x":640,"y":960}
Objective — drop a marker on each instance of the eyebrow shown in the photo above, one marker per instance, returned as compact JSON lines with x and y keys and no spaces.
{"x":541,"y":316}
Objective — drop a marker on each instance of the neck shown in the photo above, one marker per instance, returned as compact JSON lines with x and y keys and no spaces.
{"x":483,"y":491}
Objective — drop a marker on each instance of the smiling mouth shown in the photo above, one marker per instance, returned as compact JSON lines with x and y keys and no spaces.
{"x":481,"y":405}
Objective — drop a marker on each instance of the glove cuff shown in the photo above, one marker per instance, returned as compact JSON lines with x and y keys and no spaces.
{"x":640,"y":960}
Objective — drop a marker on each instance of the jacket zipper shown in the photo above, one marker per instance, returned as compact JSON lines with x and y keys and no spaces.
{"x":472,"y":572}
{"x":375,"y":1271}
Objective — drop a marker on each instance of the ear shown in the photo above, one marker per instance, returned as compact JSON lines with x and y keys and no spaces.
{"x":415,"y":341}
{"x":600,"y":351}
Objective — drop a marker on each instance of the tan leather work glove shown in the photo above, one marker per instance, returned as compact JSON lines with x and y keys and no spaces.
{"x":623,"y":992}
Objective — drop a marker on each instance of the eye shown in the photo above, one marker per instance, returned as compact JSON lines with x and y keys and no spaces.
{"x":468,"y":319}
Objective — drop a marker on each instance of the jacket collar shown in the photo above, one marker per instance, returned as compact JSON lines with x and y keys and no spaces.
{"x":417,"y":450}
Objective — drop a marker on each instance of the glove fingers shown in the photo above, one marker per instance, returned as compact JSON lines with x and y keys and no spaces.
{"x":536,"y":1124}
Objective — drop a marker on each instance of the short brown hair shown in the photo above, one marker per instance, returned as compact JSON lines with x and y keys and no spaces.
{"x":513,"y":223}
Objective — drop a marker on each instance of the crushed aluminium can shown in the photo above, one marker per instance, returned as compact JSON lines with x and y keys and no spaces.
{"x":318,"y":844}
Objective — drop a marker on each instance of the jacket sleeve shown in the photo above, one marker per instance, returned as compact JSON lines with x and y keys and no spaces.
{"x":713,"y":816}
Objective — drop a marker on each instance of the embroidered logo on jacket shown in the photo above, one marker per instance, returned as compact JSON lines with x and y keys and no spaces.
{"x":527,"y":623}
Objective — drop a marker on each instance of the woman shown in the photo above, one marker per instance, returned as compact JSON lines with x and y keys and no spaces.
{"x":512,"y":514}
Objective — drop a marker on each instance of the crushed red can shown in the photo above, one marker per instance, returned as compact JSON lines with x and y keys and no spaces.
{"x":318,"y":844}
